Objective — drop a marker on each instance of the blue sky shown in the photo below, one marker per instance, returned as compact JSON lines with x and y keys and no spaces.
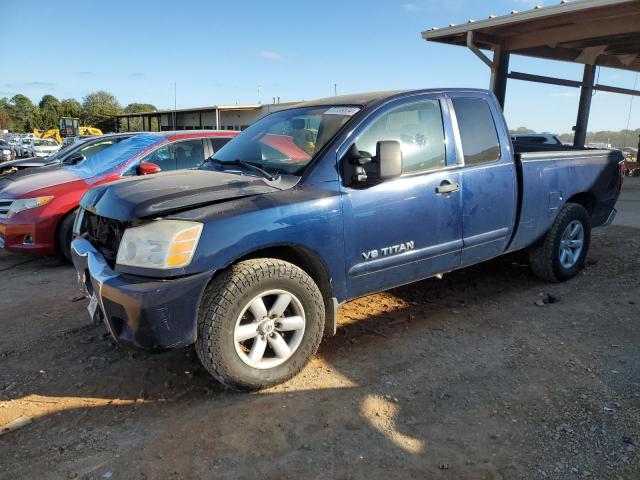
{"x":220,"y":52}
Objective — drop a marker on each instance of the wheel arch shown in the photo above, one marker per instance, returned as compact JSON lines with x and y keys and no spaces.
{"x":586,"y":199}
{"x":313,"y":264}
{"x":61,"y":218}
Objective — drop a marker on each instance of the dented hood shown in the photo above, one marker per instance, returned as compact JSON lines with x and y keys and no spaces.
{"x":152,"y":195}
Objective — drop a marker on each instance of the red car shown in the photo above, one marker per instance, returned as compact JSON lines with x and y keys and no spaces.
{"x":37,"y":207}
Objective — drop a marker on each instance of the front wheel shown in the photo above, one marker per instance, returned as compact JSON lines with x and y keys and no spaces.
{"x":65,"y":235}
{"x":560,"y":255}
{"x":260,"y":321}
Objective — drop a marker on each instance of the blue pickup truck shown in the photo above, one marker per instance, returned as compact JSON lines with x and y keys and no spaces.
{"x":250,"y":256}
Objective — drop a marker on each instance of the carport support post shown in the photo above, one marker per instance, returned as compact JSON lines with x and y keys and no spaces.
{"x":499,"y":73}
{"x":582,"y":122}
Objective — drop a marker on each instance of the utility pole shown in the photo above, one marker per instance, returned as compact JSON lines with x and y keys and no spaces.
{"x":259,"y":90}
{"x":335,"y":89}
{"x":175,"y":104}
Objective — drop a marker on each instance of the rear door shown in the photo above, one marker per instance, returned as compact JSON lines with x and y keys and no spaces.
{"x":407,"y":228}
{"x":489,"y":182}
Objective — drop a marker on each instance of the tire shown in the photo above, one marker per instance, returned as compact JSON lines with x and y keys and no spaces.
{"x":65,"y":235}
{"x":225,"y":310}
{"x":546,"y":258}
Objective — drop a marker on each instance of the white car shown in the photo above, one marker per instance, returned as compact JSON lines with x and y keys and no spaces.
{"x":41,"y":147}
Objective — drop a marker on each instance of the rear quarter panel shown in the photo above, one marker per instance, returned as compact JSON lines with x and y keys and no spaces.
{"x":550,"y":179}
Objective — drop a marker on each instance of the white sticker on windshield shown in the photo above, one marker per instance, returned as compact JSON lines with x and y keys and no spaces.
{"x":347,"y":111}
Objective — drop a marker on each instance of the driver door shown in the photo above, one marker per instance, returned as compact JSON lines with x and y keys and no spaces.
{"x":404,"y":229}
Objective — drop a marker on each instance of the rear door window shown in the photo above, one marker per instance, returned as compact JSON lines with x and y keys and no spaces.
{"x":477,"y":130}
{"x":217,"y":143}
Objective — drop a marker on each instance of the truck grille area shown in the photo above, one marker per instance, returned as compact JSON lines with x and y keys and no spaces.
{"x":104,"y":234}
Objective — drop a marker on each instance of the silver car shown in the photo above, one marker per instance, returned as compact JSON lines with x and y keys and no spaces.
{"x":6,"y":152}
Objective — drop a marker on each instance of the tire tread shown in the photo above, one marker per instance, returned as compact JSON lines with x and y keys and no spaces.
{"x":219,"y":299}
{"x":542,"y":255}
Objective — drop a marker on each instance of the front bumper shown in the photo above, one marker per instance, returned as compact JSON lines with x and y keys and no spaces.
{"x":24,"y":234}
{"x":141,"y":312}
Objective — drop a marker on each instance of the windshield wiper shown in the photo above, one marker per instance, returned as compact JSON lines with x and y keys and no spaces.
{"x":251,"y":166}
{"x":244,"y":164}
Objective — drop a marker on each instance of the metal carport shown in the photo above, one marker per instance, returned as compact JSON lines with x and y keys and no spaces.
{"x":591,"y":32}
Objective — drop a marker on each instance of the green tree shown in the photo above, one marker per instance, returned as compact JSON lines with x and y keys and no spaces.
{"x":49,"y":112}
{"x":135,"y":125}
{"x":5,"y":120}
{"x":521,"y":131}
{"x":139,"y":107}
{"x":23,"y":113}
{"x":5,"y":114}
{"x":99,"y":109}
{"x":70,"y":107}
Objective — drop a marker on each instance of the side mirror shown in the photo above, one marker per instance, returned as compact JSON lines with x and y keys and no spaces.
{"x":388,"y":159}
{"x":352,"y":166}
{"x":148,"y":168}
{"x":75,"y":159}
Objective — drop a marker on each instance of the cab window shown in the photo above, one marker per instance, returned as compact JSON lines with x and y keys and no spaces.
{"x":480,"y":142}
{"x":418,"y":128}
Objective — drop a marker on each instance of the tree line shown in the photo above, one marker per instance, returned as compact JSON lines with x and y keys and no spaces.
{"x":620,"y":139}
{"x":20,"y":114}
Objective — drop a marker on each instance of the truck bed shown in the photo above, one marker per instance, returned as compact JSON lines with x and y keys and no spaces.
{"x":551,"y":175}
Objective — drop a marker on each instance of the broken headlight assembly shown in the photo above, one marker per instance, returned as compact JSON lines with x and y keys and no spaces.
{"x":163,"y":244}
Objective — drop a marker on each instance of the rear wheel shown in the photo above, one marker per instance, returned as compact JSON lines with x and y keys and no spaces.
{"x":65,"y":235}
{"x":260,"y":321}
{"x":562,"y":252}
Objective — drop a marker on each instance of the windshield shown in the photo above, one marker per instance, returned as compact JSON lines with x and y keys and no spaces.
{"x":115,"y":156}
{"x":45,"y":143}
{"x":286,"y":141}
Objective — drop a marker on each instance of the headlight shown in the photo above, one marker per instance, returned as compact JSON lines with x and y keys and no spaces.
{"x":160,"y":244}
{"x":6,"y":152}
{"x":26,"y":204}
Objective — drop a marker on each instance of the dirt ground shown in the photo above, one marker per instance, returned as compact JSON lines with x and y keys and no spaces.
{"x":461,"y":378}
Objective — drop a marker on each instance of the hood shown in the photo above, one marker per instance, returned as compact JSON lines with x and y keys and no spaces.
{"x":21,"y":183}
{"x":24,"y":163}
{"x":161,"y":193}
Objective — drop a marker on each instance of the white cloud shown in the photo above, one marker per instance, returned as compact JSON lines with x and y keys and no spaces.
{"x":410,"y":7}
{"x":269,"y":55}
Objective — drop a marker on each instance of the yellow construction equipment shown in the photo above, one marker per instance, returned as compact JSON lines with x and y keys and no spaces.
{"x":67,"y":127}
{"x":52,"y":133}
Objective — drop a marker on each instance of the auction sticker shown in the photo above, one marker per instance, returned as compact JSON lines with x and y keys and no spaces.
{"x":93,"y":305}
{"x":347,"y":111}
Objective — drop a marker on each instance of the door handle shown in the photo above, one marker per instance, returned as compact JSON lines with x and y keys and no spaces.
{"x":447,"y":187}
